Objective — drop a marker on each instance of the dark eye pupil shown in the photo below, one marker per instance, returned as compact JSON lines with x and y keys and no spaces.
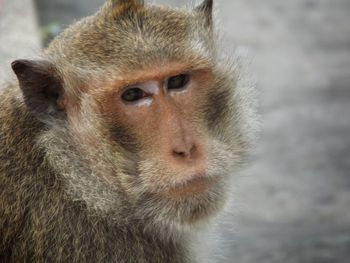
{"x":133,"y":94}
{"x":178,"y":82}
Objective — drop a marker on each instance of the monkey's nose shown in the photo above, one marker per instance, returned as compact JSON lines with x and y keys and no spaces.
{"x":185,"y":151}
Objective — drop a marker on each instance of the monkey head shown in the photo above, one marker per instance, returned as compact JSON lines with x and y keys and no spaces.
{"x":142,"y":116}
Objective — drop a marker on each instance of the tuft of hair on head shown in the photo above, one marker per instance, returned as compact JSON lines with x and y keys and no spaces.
{"x":206,"y":8}
{"x":118,"y":7}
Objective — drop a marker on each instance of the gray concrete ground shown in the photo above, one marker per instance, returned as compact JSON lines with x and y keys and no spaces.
{"x":296,"y":195}
{"x":19,"y":34}
{"x":293,"y":202}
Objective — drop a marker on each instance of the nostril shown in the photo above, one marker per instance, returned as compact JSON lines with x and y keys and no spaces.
{"x":193,"y":150}
{"x":181,"y":154}
{"x":185,"y":153}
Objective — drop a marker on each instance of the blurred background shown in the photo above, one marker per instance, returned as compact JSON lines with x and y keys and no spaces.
{"x":292,"y":203}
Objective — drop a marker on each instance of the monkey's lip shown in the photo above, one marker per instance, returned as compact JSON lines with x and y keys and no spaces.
{"x":191,"y":187}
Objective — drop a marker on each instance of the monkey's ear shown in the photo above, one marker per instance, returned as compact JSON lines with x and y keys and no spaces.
{"x":41,"y":87}
{"x":206,"y":9}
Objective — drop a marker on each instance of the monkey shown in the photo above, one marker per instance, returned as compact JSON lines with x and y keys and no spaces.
{"x":118,"y":143}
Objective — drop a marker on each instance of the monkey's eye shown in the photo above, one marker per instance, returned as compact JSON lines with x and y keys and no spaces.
{"x":178,"y":82}
{"x":133,"y":94}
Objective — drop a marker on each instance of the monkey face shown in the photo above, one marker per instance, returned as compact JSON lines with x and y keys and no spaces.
{"x":173,"y":165}
{"x":151,"y":118}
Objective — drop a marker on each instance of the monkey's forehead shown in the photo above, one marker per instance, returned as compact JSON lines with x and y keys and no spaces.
{"x":132,"y":39}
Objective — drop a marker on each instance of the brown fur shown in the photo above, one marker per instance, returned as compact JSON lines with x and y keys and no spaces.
{"x":85,"y":177}
{"x":41,"y":223}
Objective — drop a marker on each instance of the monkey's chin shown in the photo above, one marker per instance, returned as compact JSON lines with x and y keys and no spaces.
{"x":192,"y":202}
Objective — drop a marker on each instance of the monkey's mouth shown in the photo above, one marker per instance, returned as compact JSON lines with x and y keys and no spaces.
{"x":191,"y":187}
